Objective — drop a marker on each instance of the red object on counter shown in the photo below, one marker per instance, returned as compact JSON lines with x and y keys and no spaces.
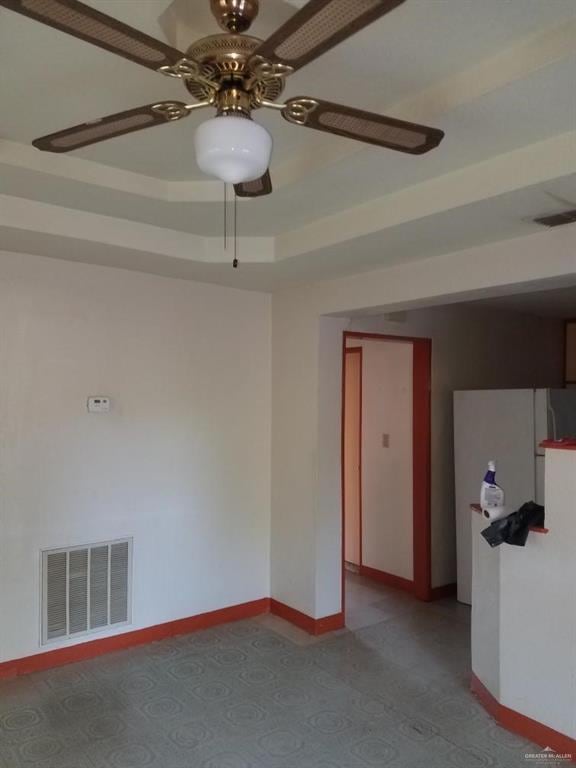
{"x":566,"y":444}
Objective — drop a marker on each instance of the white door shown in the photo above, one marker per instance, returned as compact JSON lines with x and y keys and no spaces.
{"x":388,"y":458}
{"x":352,"y":453}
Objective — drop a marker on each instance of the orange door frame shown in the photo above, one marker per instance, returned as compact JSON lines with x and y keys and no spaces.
{"x":421,"y":585}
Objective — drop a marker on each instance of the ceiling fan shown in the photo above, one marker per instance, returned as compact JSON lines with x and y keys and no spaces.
{"x":236,"y":74}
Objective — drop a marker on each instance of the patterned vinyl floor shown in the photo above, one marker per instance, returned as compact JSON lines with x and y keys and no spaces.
{"x":256,"y":694}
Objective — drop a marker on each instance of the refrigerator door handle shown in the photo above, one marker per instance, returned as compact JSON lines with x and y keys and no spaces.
{"x":552,"y":413}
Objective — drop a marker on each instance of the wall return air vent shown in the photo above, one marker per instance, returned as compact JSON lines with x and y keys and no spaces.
{"x":85,"y":589}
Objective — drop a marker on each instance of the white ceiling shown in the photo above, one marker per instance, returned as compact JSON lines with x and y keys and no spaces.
{"x":559,"y":303}
{"x":496,"y":76}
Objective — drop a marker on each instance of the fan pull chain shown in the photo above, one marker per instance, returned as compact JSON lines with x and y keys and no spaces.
{"x":225,"y":217}
{"x":235,"y":262}
{"x":234,"y":223}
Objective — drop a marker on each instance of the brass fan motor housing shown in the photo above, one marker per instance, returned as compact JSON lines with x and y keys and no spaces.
{"x":234,"y":15}
{"x":225,"y":59}
{"x":233,"y":101}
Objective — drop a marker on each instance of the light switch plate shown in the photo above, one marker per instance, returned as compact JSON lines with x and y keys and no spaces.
{"x":385,"y":440}
{"x":98,"y":404}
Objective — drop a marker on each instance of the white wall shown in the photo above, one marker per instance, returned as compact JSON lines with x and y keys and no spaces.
{"x":307,"y":352}
{"x":486,"y":613}
{"x":537,"y":608}
{"x":182,"y":462}
{"x":523,"y":612}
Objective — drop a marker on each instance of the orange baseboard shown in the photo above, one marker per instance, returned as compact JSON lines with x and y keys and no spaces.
{"x":92,"y":648}
{"x":398,"y":582}
{"x":307,"y":623}
{"x":522,"y":725}
{"x":447,"y":590}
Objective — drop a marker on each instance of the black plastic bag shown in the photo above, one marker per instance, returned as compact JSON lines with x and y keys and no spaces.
{"x":514,"y":529}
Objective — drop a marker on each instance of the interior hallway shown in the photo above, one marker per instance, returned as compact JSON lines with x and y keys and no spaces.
{"x":259,"y":694}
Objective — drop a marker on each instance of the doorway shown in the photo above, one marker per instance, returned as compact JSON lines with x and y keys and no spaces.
{"x":386,"y":459}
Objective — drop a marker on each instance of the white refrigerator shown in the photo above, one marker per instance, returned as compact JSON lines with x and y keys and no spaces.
{"x":506,"y":425}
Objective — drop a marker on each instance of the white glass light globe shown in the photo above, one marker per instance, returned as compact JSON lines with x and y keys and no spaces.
{"x":232,"y":148}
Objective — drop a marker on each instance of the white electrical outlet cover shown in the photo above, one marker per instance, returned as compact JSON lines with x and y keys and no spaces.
{"x":98,"y":404}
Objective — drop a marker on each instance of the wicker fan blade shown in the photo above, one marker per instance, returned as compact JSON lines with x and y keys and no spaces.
{"x":112,"y":126}
{"x":92,"y":26}
{"x":257,"y":188}
{"x":368,"y":127}
{"x":320,"y":25}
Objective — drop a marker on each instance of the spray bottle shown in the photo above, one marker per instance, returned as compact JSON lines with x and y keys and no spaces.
{"x":492,"y":496}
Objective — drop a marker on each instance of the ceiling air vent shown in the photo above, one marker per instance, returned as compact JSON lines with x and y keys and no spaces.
{"x":85,"y":589}
{"x":557,"y":219}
